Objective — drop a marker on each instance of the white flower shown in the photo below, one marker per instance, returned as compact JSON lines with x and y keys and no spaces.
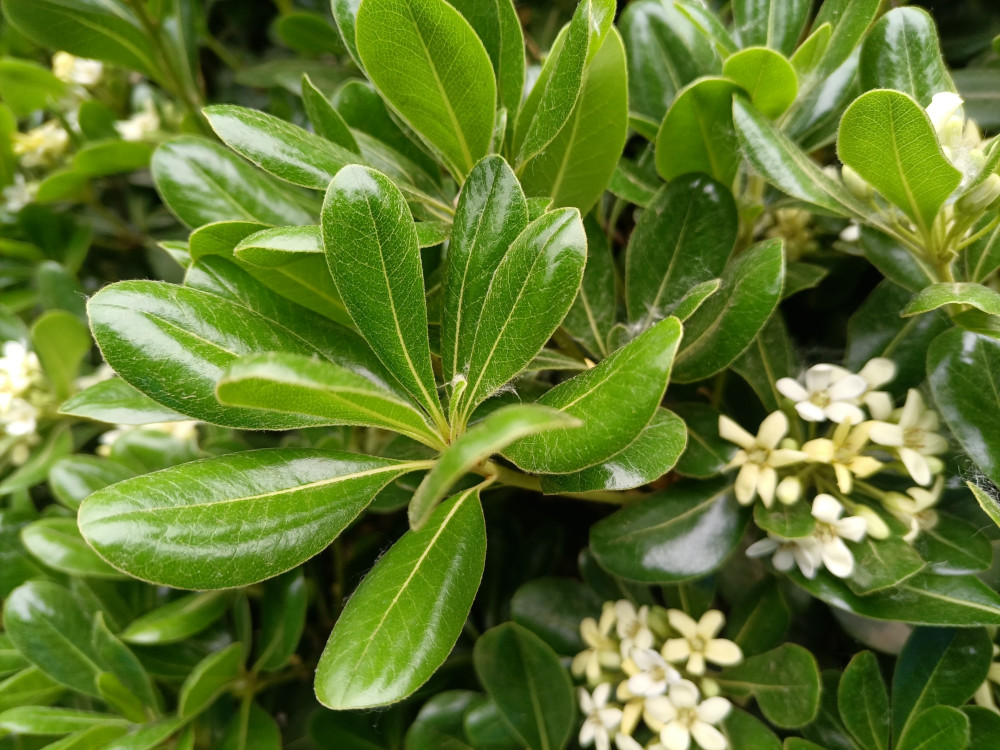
{"x":633,"y":626}
{"x":914,"y":437}
{"x":19,"y":368}
{"x":876,"y":373}
{"x":844,"y":453}
{"x":759,"y":457}
{"x":649,"y":674}
{"x":830,"y":392}
{"x":603,"y":651}
{"x":41,"y":146}
{"x":787,"y":553}
{"x":851,"y":233}
{"x":831,"y":530}
{"x":960,"y":140}
{"x":182,"y":430}
{"x":140,"y":125}
{"x":78,"y":70}
{"x":19,"y":417}
{"x":624,"y":742}
{"x":698,"y":643}
{"x":682,"y":716}
{"x":915,"y":508}
{"x":600,"y":719}
{"x":19,"y":194}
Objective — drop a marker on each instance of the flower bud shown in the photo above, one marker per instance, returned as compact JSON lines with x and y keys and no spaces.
{"x":876,"y":527}
{"x":789,"y":490}
{"x":980,"y":196}
{"x":854,"y":182}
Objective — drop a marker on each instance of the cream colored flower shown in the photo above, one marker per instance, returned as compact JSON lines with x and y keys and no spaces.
{"x":649,"y":674}
{"x":140,"y":125}
{"x":788,"y":553}
{"x":698,"y":643}
{"x":19,"y":194}
{"x":19,"y":418}
{"x":682,"y":716}
{"x":603,"y":652}
{"x":844,"y":452}
{"x":600,"y":719}
{"x":915,"y":438}
{"x":632,"y":626}
{"x":915,"y":508}
{"x":78,"y":70}
{"x":831,"y":530}
{"x":182,"y":430}
{"x":876,"y":373}
{"x":830,"y":392}
{"x":625,"y":742}
{"x":759,"y":457}
{"x":960,"y":140}
{"x":19,"y":368}
{"x":41,"y":146}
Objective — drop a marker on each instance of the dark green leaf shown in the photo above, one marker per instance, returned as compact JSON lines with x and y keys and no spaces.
{"x":883,"y":563}
{"x":283,"y":618}
{"x":771,"y":356}
{"x":439,"y":726}
{"x":784,"y":681}
{"x":953,"y":546}
{"x":902,"y":52}
{"x":57,"y":543}
{"x":592,"y":315}
{"x":252,"y":728}
{"x":937,"y":727}
{"x":984,"y":727}
{"x":747,"y":732}
{"x":706,"y":451}
{"x":485,"y":727}
{"x":498,"y":27}
{"x":553,"y":608}
{"x":864,"y":702}
{"x":760,"y":619}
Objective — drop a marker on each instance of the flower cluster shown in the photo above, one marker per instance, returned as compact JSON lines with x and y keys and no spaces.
{"x":23,"y":398}
{"x":182,"y":430}
{"x":648,"y":670}
{"x":866,"y":435}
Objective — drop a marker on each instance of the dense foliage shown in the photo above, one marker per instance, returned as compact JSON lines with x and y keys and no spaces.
{"x":543,"y":376}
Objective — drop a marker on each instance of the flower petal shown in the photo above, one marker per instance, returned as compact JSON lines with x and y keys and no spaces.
{"x":810,"y":411}
{"x":767,"y":484}
{"x":713,"y":710}
{"x":711,"y":623}
{"x":785,"y":457}
{"x":708,"y":737}
{"x":772,"y":430}
{"x":722,"y":652}
{"x":682,"y":622}
{"x":878,"y":371}
{"x":840,"y":411}
{"x":853,"y":528}
{"x":791,"y":388}
{"x":675,"y":736}
{"x":676,"y":649}
{"x":762,"y":547}
{"x":601,"y":694}
{"x":916,"y":464}
{"x":660,"y":709}
{"x":826,"y":508}
{"x":913,"y":409}
{"x":818,"y":378}
{"x":684,"y":694}
{"x":885,"y":433}
{"x":729,"y":430}
{"x":837,"y":558}
{"x":746,"y":483}
{"x":848,"y":387}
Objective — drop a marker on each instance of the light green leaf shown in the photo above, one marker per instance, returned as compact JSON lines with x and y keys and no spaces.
{"x":272,"y":248}
{"x":315,"y":494}
{"x":220,"y":237}
{"x":61,"y":342}
{"x":940,"y":295}
{"x":772,"y":23}
{"x":498,"y":27}
{"x":57,"y":543}
{"x":26,"y":86}
{"x":768,"y":78}
{"x":697,"y":134}
{"x":850,"y":20}
{"x":888,"y":139}
{"x":325,"y":118}
{"x":987,"y":502}
{"x":43,"y":720}
{"x":810,"y":52}
{"x":178,"y":620}
{"x":103,"y":158}
{"x":640,"y":369}
{"x":116,"y":402}
{"x":427,"y":62}
{"x":592,"y":315}
{"x":424,"y":586}
{"x":208,"y":679}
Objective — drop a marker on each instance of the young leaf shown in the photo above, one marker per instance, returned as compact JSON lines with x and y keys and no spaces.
{"x":529,"y":294}
{"x":272,"y":248}
{"x":674,"y":536}
{"x":207,"y":680}
{"x":784,"y":681}
{"x":178,"y":620}
{"x":931,"y":298}
{"x":498,"y":27}
{"x":531,"y":688}
{"x":639,"y":371}
{"x":772,"y":23}
{"x":428,"y":63}
{"x":864,"y":702}
{"x":491,"y":213}
{"x":767,"y":77}
{"x":114,"y":401}
{"x":371,"y":248}
{"x":220,"y":237}
{"x":888,"y":139}
{"x":683,"y":238}
{"x":592,"y":315}
{"x":424,"y":586}
{"x":494,"y":433}
{"x":315,"y":494}
{"x":58,"y":544}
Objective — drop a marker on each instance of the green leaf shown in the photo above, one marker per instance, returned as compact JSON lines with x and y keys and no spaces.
{"x":706,"y":451}
{"x":208,"y":679}
{"x":784,"y":681}
{"x":937,"y":727}
{"x":296,"y":384}
{"x":273,"y":248}
{"x":888,"y":139}
{"x":50,"y":627}
{"x":424,"y":586}
{"x":850,"y":20}
{"x":902,"y":52}
{"x":29,"y":687}
{"x":667,"y":49}
{"x":148,"y":736}
{"x":530,"y":293}
{"x":57,"y":543}
{"x":953,"y":546}
{"x":494,"y":433}
{"x":308,"y":33}
{"x":553,"y":608}
{"x":111,"y":157}
{"x":638,"y":371}
{"x":283,"y":618}
{"x":963,"y":369}
{"x":938,"y":666}
{"x":220,"y":237}
{"x":986,"y":501}
{"x":371,"y":248}
{"x":647,"y":458}
{"x":760,"y":620}
{"x":777,"y":24}
{"x":550,"y":103}
{"x":592,"y":315}
{"x":43,"y":720}
{"x":672,"y":536}
{"x":114,"y":401}
{"x":864,"y":702}
{"x":769,"y":358}
{"x":788,"y":521}
{"x":202,"y":182}
{"x":498,"y":27}
{"x":122,"y":667}
{"x":485,"y":727}
{"x":880,"y":564}
{"x":728,"y":322}
{"x":939,"y":295}
{"x":683,"y":238}
{"x":810,"y":52}
{"x":984,"y":727}
{"x":26,"y":86}
{"x":279,"y":148}
{"x":747,"y":732}
{"x":106,"y":30}
{"x":57,"y":444}
{"x":439,"y":724}
{"x":531,"y":688}
{"x":317,"y":494}
{"x":980,"y":259}
{"x":325,"y":119}
{"x":252,"y":728}
{"x":178,"y":620}
{"x":427,"y":62}
{"x":576,"y":165}
{"x":697,"y":134}
{"x":978,"y":87}
{"x":61,"y":341}
{"x":491,"y":213}
{"x":767,"y":77}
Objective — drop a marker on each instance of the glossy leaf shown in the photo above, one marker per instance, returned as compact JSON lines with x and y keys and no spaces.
{"x":677,"y":535}
{"x":953,"y":546}
{"x":576,"y":165}
{"x":485,"y":727}
{"x":647,"y":458}
{"x":760,"y":620}
{"x":116,"y":402}
{"x":640,"y":369}
{"x":178,"y":620}
{"x":987,"y":502}
{"x":44,"y":720}
{"x":683,"y":238}
{"x":788,"y":521}
{"x":981,"y":258}
{"x":252,"y":728}
{"x":494,"y":433}
{"x":864,"y":702}
{"x":553,"y":608}
{"x":706,"y":451}
{"x":61,"y":341}
{"x":57,"y":543}
{"x":220,"y":237}
{"x":697,"y":134}
{"x":766,"y":76}
{"x":784,"y":681}
{"x":202,"y":182}
{"x":208,"y":679}
{"x":498,"y":27}
{"x":902,"y":52}
{"x":371,"y":248}
{"x":316,"y":493}
{"x":491,"y":213}
{"x":773,"y":23}
{"x":940,"y":295}
{"x":423,"y":586}
{"x":325,"y":119}
{"x":428,"y":63}
{"x":271,"y":248}
{"x":916,"y":176}
{"x":849,"y":20}
{"x":883,"y":563}
{"x":530,"y":293}
{"x":728,"y":322}
{"x":984,"y":726}
{"x":940,"y":726}
{"x":746,"y":732}
{"x":592,"y":315}
{"x":283,"y":619}
{"x":439,"y":723}
{"x":295,"y":384}
{"x":769,"y":358}
{"x":810,"y":52}
{"x":528,"y":684}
